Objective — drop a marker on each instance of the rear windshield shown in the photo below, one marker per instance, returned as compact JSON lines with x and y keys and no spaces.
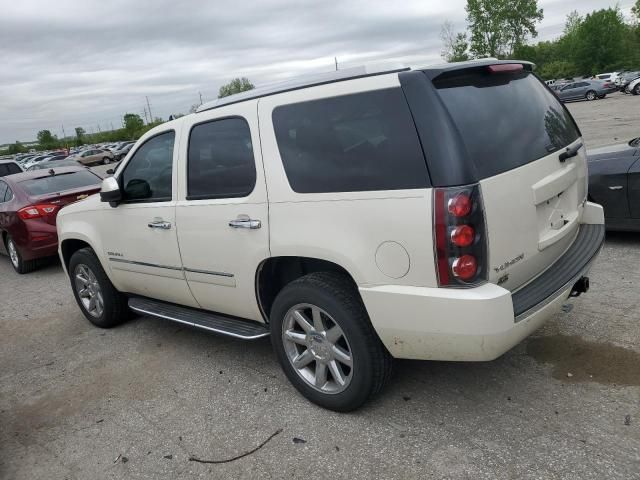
{"x":505,"y":120}
{"x":60,"y":183}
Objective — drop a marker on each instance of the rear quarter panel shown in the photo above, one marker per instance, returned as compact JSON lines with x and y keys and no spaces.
{"x":364,"y":232}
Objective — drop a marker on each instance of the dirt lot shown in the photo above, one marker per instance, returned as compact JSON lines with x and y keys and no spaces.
{"x":138,"y":401}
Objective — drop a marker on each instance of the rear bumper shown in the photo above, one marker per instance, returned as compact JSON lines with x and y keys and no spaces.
{"x":481,"y":323}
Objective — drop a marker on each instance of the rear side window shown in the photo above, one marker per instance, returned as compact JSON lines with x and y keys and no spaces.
{"x":12,"y":168}
{"x":359,"y":142}
{"x":3,"y":191}
{"x":60,"y":182}
{"x":220,"y":162}
{"x":505,"y":120}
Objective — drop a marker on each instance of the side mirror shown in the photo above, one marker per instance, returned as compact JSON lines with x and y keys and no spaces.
{"x":110,"y":191}
{"x":138,"y":189}
{"x":111,"y":171}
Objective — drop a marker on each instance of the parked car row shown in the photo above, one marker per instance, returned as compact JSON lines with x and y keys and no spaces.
{"x":597,"y":87}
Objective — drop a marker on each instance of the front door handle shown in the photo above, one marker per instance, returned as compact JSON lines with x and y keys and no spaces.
{"x":161,"y":224}
{"x":244,"y":221}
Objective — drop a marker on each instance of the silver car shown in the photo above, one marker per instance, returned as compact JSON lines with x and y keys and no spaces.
{"x":582,"y":90}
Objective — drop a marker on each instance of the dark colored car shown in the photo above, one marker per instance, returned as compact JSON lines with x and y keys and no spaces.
{"x":614,"y":182}
{"x":29,"y":205}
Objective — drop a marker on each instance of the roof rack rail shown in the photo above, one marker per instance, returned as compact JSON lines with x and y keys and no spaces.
{"x":298,"y":83}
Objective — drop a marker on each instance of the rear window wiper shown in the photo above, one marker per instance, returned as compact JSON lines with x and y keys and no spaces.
{"x":570,"y":152}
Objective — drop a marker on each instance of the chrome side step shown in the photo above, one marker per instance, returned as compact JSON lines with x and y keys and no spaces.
{"x":232,"y":327}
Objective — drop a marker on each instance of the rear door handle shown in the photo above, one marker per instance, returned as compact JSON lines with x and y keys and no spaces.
{"x":244,"y":221}
{"x":161,"y":224}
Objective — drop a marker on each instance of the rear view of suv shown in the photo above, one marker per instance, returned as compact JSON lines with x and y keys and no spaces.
{"x":436,"y":214}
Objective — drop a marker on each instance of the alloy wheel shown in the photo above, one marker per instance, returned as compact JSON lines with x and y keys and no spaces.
{"x":89,"y":290}
{"x":317,"y":348}
{"x":13,"y":253}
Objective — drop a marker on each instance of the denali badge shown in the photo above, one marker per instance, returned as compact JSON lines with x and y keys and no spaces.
{"x":506,"y":265}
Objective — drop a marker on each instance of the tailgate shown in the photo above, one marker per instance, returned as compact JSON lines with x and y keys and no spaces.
{"x":533,"y":215}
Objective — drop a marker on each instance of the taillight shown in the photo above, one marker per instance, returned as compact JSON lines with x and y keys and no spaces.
{"x":460,"y":236}
{"x":38,"y":211}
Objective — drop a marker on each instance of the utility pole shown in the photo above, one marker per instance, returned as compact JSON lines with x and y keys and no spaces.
{"x":112,"y":129}
{"x":99,"y":131}
{"x":145,"y":114}
{"x":335,"y":59}
{"x":149,"y":107}
{"x":200,"y":93}
{"x":64,"y":135}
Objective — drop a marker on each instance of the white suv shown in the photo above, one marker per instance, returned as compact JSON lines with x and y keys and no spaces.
{"x":436,"y":214}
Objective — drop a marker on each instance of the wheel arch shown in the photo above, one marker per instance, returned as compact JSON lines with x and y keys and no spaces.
{"x":274,"y":273}
{"x":70,"y":246}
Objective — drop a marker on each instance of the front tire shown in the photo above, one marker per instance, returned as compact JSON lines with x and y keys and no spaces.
{"x":17,"y":262}
{"x":100,"y":302}
{"x":636,"y":90}
{"x":106,"y":161}
{"x":325,"y":342}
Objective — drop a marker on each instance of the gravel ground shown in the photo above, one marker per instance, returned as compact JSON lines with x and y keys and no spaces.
{"x":138,"y":401}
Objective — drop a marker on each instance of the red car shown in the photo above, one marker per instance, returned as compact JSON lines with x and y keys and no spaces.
{"x":29,"y":205}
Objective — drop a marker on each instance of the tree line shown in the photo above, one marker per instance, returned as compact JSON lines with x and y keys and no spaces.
{"x":601,"y":41}
{"x":133,"y":127}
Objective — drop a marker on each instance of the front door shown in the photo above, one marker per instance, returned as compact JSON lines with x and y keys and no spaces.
{"x":222,"y":213}
{"x":633,"y":194}
{"x":139,"y":235}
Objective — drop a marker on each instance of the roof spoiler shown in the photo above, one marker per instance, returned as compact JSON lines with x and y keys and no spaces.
{"x":437,"y":70}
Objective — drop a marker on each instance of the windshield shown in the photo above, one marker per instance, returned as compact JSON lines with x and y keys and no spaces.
{"x":505,"y":120}
{"x":60,"y":182}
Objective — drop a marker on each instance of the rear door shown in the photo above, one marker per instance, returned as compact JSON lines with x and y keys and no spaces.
{"x":509,"y":133}
{"x":222,"y":214}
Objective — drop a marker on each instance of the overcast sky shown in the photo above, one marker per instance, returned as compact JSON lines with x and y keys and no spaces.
{"x":86,"y":63}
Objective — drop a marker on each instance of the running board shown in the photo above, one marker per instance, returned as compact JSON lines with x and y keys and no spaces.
{"x":232,"y":327}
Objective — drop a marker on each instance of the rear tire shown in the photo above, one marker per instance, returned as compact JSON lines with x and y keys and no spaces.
{"x":338,"y":337}
{"x":17,"y":262}
{"x":98,"y":299}
{"x":591,"y":95}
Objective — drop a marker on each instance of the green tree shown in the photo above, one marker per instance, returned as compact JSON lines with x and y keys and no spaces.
{"x":236,"y":85}
{"x":132,"y":125}
{"x":598,"y":39}
{"x":455,"y":45}
{"x":499,"y":26}
{"x":16,"y":148}
{"x":47,"y":140}
{"x":80,"y":133}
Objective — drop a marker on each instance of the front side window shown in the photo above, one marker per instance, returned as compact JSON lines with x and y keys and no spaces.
{"x":220,"y":161}
{"x":351,"y":143}
{"x":148,"y":175}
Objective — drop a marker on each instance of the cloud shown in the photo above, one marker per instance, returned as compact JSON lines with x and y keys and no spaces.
{"x":87,"y":63}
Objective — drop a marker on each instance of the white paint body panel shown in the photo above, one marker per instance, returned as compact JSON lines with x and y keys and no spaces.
{"x":208,"y":243}
{"x":413,"y":317}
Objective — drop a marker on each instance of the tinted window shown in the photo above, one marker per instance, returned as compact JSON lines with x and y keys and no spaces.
{"x":13,"y":168}
{"x":3,"y":191}
{"x":147,"y":176}
{"x":505,"y":120}
{"x":9,"y":195}
{"x":359,"y":142}
{"x":60,"y":182}
{"x":220,"y":162}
